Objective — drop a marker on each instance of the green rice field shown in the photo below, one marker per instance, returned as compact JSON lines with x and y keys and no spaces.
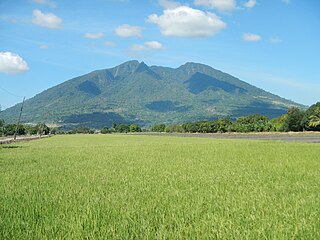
{"x":159,"y":187}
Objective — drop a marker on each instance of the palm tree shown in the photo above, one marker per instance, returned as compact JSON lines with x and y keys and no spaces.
{"x":314,"y":119}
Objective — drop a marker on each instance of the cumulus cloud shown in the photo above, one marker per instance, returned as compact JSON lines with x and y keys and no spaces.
{"x":220,"y":5}
{"x":51,"y":4}
{"x":168,"y":4}
{"x":151,"y":45}
{"x":187,"y":22}
{"x":47,"y":20}
{"x":12,"y":63}
{"x":251,"y":37}
{"x":126,"y":30}
{"x":94,"y":35}
{"x":250,"y":3}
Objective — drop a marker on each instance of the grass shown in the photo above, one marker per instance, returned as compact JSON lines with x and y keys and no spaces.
{"x":143,"y":187}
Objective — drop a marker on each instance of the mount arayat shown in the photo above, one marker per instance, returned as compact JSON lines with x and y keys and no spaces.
{"x":136,"y":93}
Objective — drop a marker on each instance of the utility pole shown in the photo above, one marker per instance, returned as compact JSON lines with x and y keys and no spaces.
{"x":1,"y":126}
{"x":15,"y":133}
{"x":40,"y":130}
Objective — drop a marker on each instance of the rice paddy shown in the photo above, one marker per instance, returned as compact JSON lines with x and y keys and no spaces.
{"x":151,"y":187}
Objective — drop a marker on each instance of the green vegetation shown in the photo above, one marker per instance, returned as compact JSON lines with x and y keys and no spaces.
{"x":121,"y":128}
{"x":142,"y":187}
{"x":136,"y":93}
{"x":295,"y":120}
{"x":311,"y":118}
{"x":1,"y":127}
{"x":10,"y":129}
{"x":158,"y":128}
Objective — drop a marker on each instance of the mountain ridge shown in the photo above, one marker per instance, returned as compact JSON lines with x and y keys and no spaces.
{"x":136,"y":92}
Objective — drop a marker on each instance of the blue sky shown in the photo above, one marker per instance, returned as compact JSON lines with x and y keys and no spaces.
{"x":272,"y":44}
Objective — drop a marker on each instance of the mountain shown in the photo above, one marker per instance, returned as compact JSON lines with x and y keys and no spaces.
{"x":135,"y":92}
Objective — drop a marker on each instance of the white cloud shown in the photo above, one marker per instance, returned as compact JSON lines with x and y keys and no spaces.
{"x":251,"y":37}
{"x":152,"y":45}
{"x":94,"y":35}
{"x":43,"y":46}
{"x":275,"y":40}
{"x":109,"y":44}
{"x":286,"y":1}
{"x":168,"y":4}
{"x":51,"y":4}
{"x":187,"y":22}
{"x":12,"y":63}
{"x":250,"y":3}
{"x":126,"y":30}
{"x":220,"y":5}
{"x":48,"y":20}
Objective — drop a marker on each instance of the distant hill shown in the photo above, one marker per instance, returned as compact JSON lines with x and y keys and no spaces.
{"x":135,"y":92}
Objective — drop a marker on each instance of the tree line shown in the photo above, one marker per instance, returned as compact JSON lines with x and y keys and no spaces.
{"x":42,"y":129}
{"x":11,"y":129}
{"x":294,"y":120}
{"x":121,"y":128}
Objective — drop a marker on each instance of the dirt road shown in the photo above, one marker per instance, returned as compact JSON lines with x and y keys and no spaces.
{"x":6,"y":140}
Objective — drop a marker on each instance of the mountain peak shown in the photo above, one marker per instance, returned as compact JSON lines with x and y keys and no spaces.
{"x":134,"y":92}
{"x":129,"y":65}
{"x":192,"y":64}
{"x":191,"y":68}
{"x":142,"y":67}
{"x":124,"y":69}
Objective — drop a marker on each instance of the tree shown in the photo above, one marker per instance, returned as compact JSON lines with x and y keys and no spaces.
{"x":53,"y":131}
{"x":190,"y":127}
{"x":40,"y":129}
{"x":294,"y":120}
{"x":314,"y":120}
{"x":32,"y":130}
{"x":1,"y":127}
{"x":221,"y":125}
{"x":105,"y":130}
{"x":10,"y":129}
{"x":43,"y":129}
{"x":175,"y":128}
{"x":158,"y":128}
{"x":251,"y":123}
{"x":311,"y":120}
{"x":123,"y":128}
{"x":135,"y":128}
{"x":205,"y":127}
{"x":279,"y":124}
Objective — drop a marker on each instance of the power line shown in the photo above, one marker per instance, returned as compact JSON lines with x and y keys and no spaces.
{"x":15,"y":95}
{"x":3,"y":107}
